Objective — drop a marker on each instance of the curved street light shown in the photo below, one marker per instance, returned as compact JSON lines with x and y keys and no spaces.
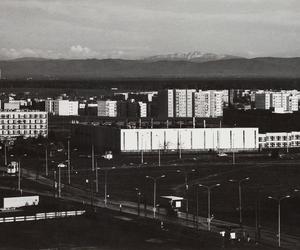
{"x":240,"y":181}
{"x":209,"y":188}
{"x":279,"y":199}
{"x":155,"y":179}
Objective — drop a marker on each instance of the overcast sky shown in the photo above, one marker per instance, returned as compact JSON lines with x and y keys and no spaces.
{"x":137,"y":28}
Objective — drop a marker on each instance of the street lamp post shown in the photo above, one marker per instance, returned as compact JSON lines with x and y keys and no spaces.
{"x":46,"y":157}
{"x":61,"y":165}
{"x":69,"y":163}
{"x":209,"y":188}
{"x":142,"y":150}
{"x":186,"y":187}
{"x":240,"y":196}
{"x":105,"y":187}
{"x":179,"y":142}
{"x":91,"y":191}
{"x":5,"y":153}
{"x":96,"y":172}
{"x":46,"y":160}
{"x":155,"y":179}
{"x":138,"y":193}
{"x":93,"y":160}
{"x":279,"y":212}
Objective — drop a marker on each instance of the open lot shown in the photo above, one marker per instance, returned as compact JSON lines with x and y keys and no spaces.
{"x":268,"y":176}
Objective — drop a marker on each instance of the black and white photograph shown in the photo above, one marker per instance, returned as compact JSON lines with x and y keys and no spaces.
{"x":149,"y":124}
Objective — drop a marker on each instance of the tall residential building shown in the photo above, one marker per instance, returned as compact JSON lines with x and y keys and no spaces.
{"x":62,"y":107}
{"x":107,"y":108}
{"x":143,"y":109}
{"x":208,"y":103}
{"x":283,"y":101}
{"x":176,"y":103}
{"x":23,"y":123}
{"x":165,"y":100}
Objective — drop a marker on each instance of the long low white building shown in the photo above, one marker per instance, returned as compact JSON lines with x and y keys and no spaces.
{"x":185,"y":139}
{"x":193,"y":139}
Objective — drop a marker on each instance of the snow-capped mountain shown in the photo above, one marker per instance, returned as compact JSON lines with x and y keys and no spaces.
{"x":195,"y":56}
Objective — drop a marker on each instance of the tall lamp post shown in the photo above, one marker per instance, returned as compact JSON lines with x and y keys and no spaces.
{"x":69,"y":163}
{"x":186,"y":173}
{"x":209,"y":188}
{"x":91,"y":191}
{"x":279,"y":199}
{"x":105,"y":184}
{"x":240,"y":196}
{"x":59,"y":166}
{"x":159,"y":156}
{"x":138,"y":194}
{"x":155,"y":179}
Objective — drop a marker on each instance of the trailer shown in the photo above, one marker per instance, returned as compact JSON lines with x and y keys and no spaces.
{"x":20,"y":201}
{"x":171,"y":203}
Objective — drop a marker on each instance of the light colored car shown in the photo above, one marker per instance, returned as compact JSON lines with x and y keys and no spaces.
{"x":222,"y":155}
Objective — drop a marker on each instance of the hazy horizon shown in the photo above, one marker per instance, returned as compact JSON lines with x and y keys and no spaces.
{"x":135,"y":29}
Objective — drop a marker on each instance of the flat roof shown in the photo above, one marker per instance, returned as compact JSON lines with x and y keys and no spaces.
{"x":173,"y":198}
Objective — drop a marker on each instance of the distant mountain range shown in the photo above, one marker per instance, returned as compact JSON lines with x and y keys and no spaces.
{"x":188,"y":65}
{"x":195,"y":56}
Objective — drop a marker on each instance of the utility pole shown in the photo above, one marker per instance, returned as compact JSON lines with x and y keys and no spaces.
{"x":93,"y":162}
{"x":105,"y":187}
{"x":5,"y":154}
{"x":159,"y":157}
{"x":97,"y":184}
{"x":19,"y":177}
{"x":46,"y":160}
{"x":69,"y":163}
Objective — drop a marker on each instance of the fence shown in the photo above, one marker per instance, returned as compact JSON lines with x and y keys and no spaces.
{"x":42,"y":216}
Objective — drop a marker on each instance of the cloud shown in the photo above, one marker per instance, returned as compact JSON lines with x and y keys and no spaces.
{"x":12,"y":53}
{"x":78,"y":51}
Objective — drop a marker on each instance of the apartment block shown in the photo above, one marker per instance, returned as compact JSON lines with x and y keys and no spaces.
{"x":62,"y":107}
{"x":107,"y":108}
{"x":23,"y":123}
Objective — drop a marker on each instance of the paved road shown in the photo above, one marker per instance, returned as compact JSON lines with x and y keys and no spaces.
{"x":76,"y":194}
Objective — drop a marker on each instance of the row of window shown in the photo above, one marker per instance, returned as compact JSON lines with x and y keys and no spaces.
{"x":23,"y":132}
{"x":21,"y":121}
{"x":279,"y":138}
{"x":278,"y":144}
{"x":23,"y":126}
{"x":21,"y":116}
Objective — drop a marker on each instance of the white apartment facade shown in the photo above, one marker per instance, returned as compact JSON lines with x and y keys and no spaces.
{"x":283,"y":101}
{"x":143,"y":109}
{"x":107,"y":108}
{"x":23,"y":123}
{"x":279,"y":140}
{"x":62,"y":107}
{"x":208,"y":103}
